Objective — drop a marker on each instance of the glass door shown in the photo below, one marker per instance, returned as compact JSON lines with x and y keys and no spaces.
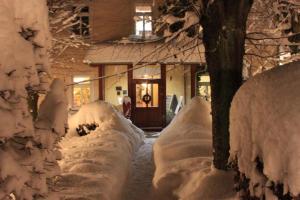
{"x":148,"y":97}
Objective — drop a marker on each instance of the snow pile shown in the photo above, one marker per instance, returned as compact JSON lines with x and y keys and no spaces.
{"x":96,"y":166}
{"x":182,"y":156}
{"x":27,"y":153}
{"x":265,"y":124}
{"x":28,"y":156}
{"x":25,"y":40}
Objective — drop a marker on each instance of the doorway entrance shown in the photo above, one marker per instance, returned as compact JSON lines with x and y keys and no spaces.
{"x":148,"y":95}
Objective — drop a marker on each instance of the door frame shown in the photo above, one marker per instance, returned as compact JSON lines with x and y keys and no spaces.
{"x":162,"y":91}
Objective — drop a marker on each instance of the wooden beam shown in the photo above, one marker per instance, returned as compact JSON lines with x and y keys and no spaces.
{"x":130,"y":77}
{"x":130,"y":90}
{"x":163,"y":94}
{"x":101,"y":73}
{"x":193,"y":80}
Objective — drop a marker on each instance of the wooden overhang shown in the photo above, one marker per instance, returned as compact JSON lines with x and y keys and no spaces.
{"x":144,"y":53}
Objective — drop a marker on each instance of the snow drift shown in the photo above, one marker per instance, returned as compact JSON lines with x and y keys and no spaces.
{"x":265,"y":125}
{"x":182,"y":156}
{"x":96,"y":166}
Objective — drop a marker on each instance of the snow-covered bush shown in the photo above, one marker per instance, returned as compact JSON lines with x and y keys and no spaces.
{"x":96,"y":166}
{"x":265,"y":125}
{"x":183,"y":158}
{"x":27,"y":155}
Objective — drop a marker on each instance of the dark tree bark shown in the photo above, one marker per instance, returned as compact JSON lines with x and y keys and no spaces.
{"x":224,"y":32}
{"x":32,"y":100}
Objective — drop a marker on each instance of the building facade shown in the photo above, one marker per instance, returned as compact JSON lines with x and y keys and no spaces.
{"x":126,"y":58}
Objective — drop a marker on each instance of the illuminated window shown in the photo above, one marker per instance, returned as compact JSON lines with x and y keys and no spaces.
{"x":81,"y":23}
{"x":147,"y":95}
{"x":203,"y":86}
{"x":81,"y":91}
{"x":143,"y":21}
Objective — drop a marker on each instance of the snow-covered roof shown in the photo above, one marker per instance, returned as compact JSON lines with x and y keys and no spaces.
{"x":134,"y":53}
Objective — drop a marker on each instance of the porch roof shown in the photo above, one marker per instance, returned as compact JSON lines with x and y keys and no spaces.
{"x":139,"y":53}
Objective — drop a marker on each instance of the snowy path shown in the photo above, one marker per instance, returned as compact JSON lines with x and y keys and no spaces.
{"x":140,"y":182}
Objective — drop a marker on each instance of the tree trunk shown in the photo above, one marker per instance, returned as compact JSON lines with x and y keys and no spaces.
{"x":32,"y":100}
{"x":224,"y":31}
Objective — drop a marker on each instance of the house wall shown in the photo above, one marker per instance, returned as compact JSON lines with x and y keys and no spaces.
{"x":187,"y":83}
{"x":70,"y":64}
{"x":111,"y":19}
{"x":111,"y":83}
{"x":175,"y":80}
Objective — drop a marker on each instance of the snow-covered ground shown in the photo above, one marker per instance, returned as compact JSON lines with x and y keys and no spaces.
{"x":265,"y":124}
{"x":140,"y":182}
{"x":97,"y":166}
{"x":182,"y":156}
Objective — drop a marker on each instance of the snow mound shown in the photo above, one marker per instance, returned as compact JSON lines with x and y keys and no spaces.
{"x":265,"y":124}
{"x":96,"y":166}
{"x":182,"y":156}
{"x":107,"y":117}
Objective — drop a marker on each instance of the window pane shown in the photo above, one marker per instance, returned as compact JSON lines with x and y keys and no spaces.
{"x":147,"y":95}
{"x":81,"y":91}
{"x":147,"y":72}
{"x":148,"y":23}
{"x":204,"y":79}
{"x":85,"y":26}
{"x":81,"y":22}
{"x":85,"y":9}
{"x":76,"y":97}
{"x":139,"y":25}
{"x":203,"y":86}
{"x":78,"y":79}
{"x":143,"y":9}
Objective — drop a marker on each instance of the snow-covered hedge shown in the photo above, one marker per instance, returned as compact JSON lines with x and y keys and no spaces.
{"x":182,"y":156}
{"x":27,"y":150}
{"x":265,"y":131}
{"x":96,"y":166}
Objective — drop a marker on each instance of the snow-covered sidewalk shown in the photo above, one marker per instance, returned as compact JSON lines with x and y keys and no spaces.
{"x":140,"y":182}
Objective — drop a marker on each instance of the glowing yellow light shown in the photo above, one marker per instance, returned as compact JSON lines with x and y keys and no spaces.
{"x":144,"y":85}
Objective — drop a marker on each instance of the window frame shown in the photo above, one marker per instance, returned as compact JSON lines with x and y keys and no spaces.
{"x":80,"y":28}
{"x":144,"y":16}
{"x":89,"y":83}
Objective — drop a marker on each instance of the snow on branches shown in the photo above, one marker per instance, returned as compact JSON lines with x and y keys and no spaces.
{"x":27,"y":155}
{"x":180,"y":18}
{"x":273,"y":29}
{"x":273,"y":32}
{"x":63,"y":16}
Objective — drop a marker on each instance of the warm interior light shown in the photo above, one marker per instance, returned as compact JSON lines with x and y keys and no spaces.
{"x":144,"y":85}
{"x":78,"y":79}
{"x":143,"y":9}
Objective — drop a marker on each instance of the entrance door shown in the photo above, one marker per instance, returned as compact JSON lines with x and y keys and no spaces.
{"x":148,"y":98}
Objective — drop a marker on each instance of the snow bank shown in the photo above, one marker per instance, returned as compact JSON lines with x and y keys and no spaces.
{"x":265,"y":125}
{"x":96,"y":166}
{"x":182,"y":156}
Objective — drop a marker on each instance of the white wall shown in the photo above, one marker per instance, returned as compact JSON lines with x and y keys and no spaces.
{"x":113,"y":82}
{"x":175,"y":80}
